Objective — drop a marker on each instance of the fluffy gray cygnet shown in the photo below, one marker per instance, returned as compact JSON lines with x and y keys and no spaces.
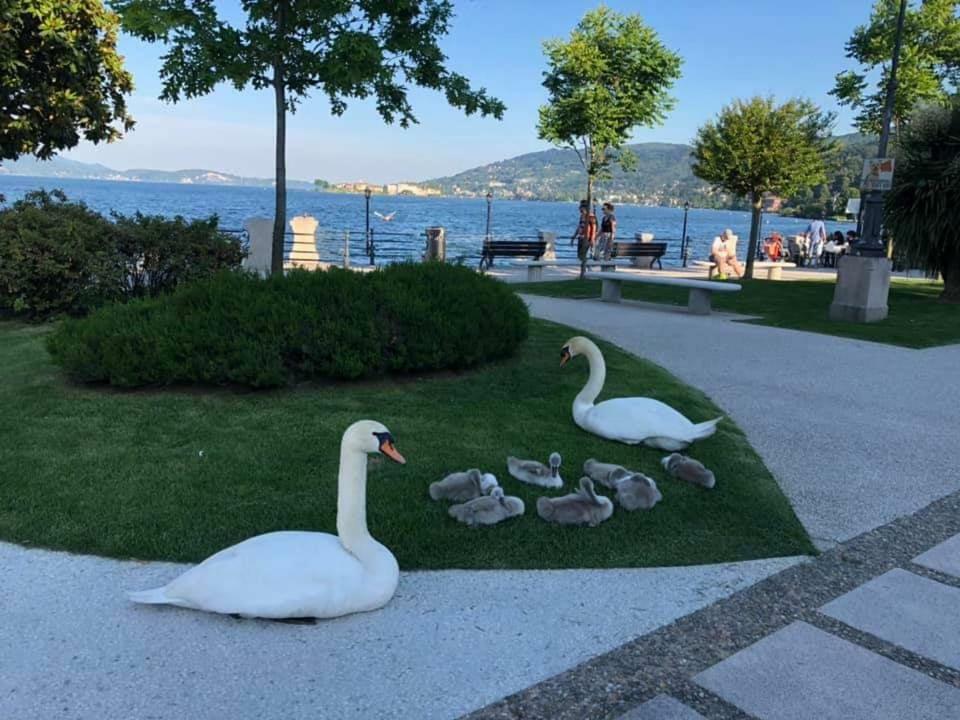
{"x":583,"y":507}
{"x":462,"y":486}
{"x":689,"y":470}
{"x":488,"y":510}
{"x":536,"y":473}
{"x":637,"y":492}
{"x":607,"y":474}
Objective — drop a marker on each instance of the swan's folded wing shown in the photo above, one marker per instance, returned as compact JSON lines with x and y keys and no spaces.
{"x":637,"y":418}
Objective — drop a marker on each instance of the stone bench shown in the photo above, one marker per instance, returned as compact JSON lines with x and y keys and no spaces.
{"x":774,"y":269}
{"x":698,"y":302}
{"x":535,"y":268}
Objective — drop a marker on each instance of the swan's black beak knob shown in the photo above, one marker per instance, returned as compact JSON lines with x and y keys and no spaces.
{"x":564,"y":355}
{"x":387,"y":448}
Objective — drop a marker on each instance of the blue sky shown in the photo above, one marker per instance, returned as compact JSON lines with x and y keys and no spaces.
{"x":730,"y":49}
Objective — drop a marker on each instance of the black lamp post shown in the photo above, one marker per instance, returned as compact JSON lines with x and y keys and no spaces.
{"x":489,"y":208}
{"x":683,"y":236}
{"x":871,"y":244}
{"x":366,"y":195}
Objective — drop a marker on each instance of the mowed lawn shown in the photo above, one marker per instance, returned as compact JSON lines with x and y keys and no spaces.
{"x":916,"y":320}
{"x":179,"y":474}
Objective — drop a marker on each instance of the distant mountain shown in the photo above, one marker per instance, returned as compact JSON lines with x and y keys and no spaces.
{"x":61,"y":167}
{"x":663,"y":177}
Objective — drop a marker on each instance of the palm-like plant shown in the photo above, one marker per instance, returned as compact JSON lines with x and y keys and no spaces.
{"x":923,"y":207}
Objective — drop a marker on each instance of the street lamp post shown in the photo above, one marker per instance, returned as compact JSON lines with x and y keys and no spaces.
{"x":489,"y":208}
{"x":366,"y":195}
{"x":683,"y":236}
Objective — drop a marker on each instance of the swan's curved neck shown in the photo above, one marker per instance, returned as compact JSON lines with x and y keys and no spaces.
{"x":352,"y":499}
{"x":598,"y":373}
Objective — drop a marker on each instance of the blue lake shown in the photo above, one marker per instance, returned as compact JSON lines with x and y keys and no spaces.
{"x":464,"y":219}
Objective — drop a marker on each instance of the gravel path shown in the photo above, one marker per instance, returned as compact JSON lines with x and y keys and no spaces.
{"x":856,"y":433}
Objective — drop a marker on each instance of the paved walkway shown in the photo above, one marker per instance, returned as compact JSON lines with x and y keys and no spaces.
{"x":856,"y":433}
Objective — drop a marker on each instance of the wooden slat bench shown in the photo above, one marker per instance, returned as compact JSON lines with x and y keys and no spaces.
{"x":698,"y":302}
{"x":774,"y":269}
{"x":652,"y":250}
{"x":510,"y":248}
{"x":535,"y":269}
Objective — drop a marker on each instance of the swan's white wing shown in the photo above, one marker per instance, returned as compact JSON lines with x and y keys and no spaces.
{"x":632,"y":420}
{"x":281,"y":574}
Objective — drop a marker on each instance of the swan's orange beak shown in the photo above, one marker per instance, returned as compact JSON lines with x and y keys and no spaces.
{"x":388,"y":449}
{"x":564,"y":356}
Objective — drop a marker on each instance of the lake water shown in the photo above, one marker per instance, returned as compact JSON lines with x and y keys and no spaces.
{"x":403,"y":237}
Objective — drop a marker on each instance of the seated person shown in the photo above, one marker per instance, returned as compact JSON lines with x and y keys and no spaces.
{"x":773,"y":247}
{"x":723,"y":253}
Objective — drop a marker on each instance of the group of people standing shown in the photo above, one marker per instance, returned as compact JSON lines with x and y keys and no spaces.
{"x":590,"y":243}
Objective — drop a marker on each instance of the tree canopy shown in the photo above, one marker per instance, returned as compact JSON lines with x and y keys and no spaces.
{"x":756,"y":146}
{"x":921,"y":210}
{"x":61,"y":78}
{"x":612,"y":75}
{"x":929,"y":61}
{"x":345,"y":49}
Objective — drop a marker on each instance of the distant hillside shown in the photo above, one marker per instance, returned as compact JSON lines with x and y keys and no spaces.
{"x":61,"y":167}
{"x":663,"y":177}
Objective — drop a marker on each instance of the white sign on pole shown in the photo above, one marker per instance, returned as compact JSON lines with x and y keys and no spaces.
{"x":877,"y":174}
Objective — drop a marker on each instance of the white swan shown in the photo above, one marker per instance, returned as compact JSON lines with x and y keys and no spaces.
{"x":301,"y":574}
{"x":628,"y":420}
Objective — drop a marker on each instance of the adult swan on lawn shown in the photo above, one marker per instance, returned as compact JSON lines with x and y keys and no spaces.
{"x":295,"y":574}
{"x":632,"y":420}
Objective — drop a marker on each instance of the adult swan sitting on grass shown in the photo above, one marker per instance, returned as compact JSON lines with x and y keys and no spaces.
{"x":283,"y":575}
{"x":628,"y":420}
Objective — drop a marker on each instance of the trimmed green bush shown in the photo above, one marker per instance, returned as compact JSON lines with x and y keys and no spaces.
{"x":236,"y":328}
{"x":59,"y":257}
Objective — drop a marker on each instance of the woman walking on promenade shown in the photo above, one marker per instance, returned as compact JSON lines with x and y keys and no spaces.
{"x":608,"y":233}
{"x":585,"y":234}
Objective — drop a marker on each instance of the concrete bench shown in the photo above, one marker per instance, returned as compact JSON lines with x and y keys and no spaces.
{"x":698,"y":302}
{"x":535,"y":268}
{"x":774,"y":269}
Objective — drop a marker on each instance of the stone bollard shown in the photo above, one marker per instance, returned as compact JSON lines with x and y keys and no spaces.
{"x":304,"y":251}
{"x":643,"y":237}
{"x":436,"y":245}
{"x":260,"y":251}
{"x":551,"y":240}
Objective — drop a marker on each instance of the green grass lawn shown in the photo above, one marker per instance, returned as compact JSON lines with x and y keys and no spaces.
{"x":916,"y":319}
{"x":120,"y":474}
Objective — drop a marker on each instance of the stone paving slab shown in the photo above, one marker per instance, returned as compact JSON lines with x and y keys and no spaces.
{"x":662,"y":707}
{"x":802,"y":672}
{"x":944,"y":558}
{"x":913,"y":612}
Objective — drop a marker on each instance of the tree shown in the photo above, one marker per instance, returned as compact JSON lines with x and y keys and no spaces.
{"x":921,"y":210}
{"x":929,"y":62}
{"x":61,"y":78}
{"x":756,"y":146}
{"x":343,"y":48}
{"x":611,"y":76}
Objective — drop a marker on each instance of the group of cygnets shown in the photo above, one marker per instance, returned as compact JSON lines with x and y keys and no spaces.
{"x":479,"y":499}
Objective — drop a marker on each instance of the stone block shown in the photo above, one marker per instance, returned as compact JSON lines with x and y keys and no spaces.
{"x":699,"y":301}
{"x":863,"y":285}
{"x":610,"y":291}
{"x":260,"y":248}
{"x":944,"y":558}
{"x":662,"y":707}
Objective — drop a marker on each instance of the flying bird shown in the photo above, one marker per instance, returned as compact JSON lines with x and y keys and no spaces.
{"x":385,"y":218}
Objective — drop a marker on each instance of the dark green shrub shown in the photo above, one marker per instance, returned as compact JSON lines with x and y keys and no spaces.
{"x":237,"y":328}
{"x":56,"y":257}
{"x":59,"y":257}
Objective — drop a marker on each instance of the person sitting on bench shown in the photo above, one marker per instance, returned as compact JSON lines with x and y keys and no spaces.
{"x":723,"y":254}
{"x":773,"y":247}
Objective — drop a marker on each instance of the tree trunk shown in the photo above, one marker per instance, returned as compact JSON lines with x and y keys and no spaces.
{"x":951,"y":285}
{"x":280,"y":203}
{"x":754,"y":234}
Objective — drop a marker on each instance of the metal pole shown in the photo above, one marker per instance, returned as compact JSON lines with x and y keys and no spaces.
{"x":683,"y":235}
{"x":870,"y":242}
{"x":489,"y":207}
{"x":369,"y":243}
{"x":346,"y":249}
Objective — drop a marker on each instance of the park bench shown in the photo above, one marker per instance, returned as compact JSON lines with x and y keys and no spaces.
{"x":698,"y":302}
{"x":652,"y":250}
{"x":535,"y":268}
{"x":774,"y":269}
{"x":510,"y":248}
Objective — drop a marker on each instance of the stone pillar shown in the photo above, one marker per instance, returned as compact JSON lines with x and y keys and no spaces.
{"x":640,"y":262}
{"x":304,"y":251}
{"x":863,"y":285}
{"x":436,"y":248}
{"x":260,"y":235}
{"x":551,"y":240}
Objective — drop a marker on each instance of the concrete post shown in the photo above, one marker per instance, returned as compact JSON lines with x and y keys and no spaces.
{"x":260,"y":235}
{"x":436,"y":248}
{"x":863,"y":285}
{"x":551,"y":240}
{"x":643,"y":237}
{"x":304,"y":251}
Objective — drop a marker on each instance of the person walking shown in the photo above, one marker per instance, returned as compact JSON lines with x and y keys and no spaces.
{"x":585,"y":235}
{"x":608,"y":233}
{"x":816,"y":235}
